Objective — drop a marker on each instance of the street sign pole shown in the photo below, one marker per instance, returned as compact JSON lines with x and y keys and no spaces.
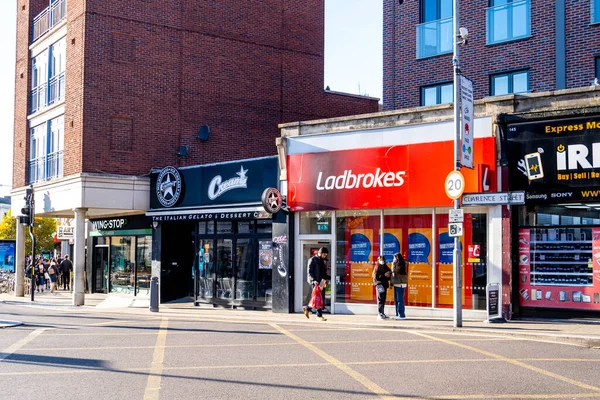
{"x":456,"y":261}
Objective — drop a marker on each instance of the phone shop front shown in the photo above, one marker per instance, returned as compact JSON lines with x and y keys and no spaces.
{"x":556,"y":235}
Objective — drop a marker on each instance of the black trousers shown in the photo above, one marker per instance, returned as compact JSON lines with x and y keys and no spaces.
{"x":381,"y":302}
{"x":66,"y":277}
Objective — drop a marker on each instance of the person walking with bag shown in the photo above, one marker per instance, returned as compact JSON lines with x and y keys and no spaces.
{"x":316,"y":276}
{"x":399,"y":280}
{"x":381,"y":280}
{"x":66,"y":266}
{"x":53,"y":274}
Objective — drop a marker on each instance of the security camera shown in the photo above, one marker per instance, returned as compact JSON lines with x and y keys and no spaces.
{"x":463,"y":33}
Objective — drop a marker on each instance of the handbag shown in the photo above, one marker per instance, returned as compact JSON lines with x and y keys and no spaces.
{"x":316,"y":300}
{"x":46,"y":275}
{"x":380,"y":288}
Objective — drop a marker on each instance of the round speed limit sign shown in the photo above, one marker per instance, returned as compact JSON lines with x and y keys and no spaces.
{"x":455,"y":185}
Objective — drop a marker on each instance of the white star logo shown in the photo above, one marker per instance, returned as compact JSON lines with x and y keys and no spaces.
{"x":242,"y":173}
{"x":167,"y":186}
{"x":273,"y":200}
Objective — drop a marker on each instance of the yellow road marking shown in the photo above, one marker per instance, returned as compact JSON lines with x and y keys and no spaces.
{"x":519,"y":396}
{"x":16,"y":346}
{"x":514,"y":362}
{"x":363,"y":380}
{"x":154,"y":376}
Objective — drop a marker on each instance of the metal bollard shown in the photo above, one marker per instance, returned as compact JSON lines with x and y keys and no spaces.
{"x":154,"y":294}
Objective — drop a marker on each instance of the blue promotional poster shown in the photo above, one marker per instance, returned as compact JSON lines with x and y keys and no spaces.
{"x":7,"y":255}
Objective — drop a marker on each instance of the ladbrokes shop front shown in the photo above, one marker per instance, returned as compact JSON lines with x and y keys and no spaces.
{"x":374,"y":192}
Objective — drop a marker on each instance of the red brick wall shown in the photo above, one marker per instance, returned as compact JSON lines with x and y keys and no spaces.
{"x":404,"y":75}
{"x":169,"y":67}
{"x":242,"y":67}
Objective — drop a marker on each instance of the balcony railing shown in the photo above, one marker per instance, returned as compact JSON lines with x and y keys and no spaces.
{"x":510,"y":21}
{"x":434,"y":38}
{"x":39,"y":97}
{"x":49,"y":18}
{"x":55,"y":165}
{"x":46,"y":167}
{"x":57,"y":88}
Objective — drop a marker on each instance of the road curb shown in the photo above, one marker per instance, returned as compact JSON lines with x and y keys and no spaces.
{"x":9,"y":324}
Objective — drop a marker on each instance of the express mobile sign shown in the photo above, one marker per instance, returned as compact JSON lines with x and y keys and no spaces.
{"x":380,"y":177}
{"x":555,"y":160}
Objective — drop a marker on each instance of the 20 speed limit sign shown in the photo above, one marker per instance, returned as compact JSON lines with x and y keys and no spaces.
{"x":455,"y":185}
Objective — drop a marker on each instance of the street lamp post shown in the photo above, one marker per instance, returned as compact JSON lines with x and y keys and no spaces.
{"x":456,"y":254}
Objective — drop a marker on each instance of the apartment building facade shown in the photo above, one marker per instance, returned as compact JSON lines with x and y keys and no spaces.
{"x":514,"y":46}
{"x":107,"y":91}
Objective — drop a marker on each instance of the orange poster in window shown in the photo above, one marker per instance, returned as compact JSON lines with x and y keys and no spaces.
{"x":419,"y":267}
{"x":361,"y":265}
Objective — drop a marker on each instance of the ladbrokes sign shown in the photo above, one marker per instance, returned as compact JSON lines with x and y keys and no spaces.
{"x":381,"y":177}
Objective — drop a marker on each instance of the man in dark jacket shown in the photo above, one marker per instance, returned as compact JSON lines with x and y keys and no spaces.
{"x":66,"y":266}
{"x":316,"y":274}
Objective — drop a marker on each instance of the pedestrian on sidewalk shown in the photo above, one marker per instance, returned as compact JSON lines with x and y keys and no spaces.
{"x":46,"y":263}
{"x":399,"y":281}
{"x":381,"y":280}
{"x":66,"y":266}
{"x":316,"y":275}
{"x":39,"y":274}
{"x":53,"y":274}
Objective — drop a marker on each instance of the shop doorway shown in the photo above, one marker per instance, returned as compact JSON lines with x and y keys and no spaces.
{"x":101,"y":272}
{"x":177,"y":260}
{"x":310,"y":249}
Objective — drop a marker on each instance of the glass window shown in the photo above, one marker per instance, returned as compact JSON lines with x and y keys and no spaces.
{"x":315,"y":222}
{"x":598,"y":61}
{"x":437,"y":94}
{"x":432,"y":10}
{"x":595,"y":4}
{"x":510,"y":82}
{"x":46,"y":150}
{"x":122,"y":259}
{"x":210,"y":227}
{"x":264,"y":226}
{"x":357,"y":249}
{"x":202,"y":228}
{"x":244,"y":227}
{"x":143,"y":259}
{"x":410,"y":233}
{"x":508,"y":20}
{"x":265,"y":271}
{"x":224,"y":227}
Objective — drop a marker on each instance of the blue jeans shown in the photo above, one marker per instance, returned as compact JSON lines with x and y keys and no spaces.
{"x":399,"y":299}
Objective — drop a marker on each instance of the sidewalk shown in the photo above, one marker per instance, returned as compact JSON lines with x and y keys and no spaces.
{"x":579,"y":332}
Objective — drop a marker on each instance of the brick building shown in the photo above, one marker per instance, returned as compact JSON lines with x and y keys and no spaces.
{"x":514,"y":46}
{"x":108,"y":89}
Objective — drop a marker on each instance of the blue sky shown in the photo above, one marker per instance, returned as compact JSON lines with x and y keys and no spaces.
{"x":353,"y":61}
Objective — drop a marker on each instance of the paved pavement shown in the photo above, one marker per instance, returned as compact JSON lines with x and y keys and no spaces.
{"x":581,"y":332}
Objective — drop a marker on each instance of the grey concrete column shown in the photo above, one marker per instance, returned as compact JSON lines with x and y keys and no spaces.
{"x":20,"y":260}
{"x":79,"y":257}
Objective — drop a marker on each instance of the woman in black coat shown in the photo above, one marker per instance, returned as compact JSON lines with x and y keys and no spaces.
{"x":381,"y":280}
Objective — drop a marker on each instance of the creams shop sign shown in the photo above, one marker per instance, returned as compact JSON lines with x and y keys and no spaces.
{"x":397,"y":176}
{"x":218,"y":186}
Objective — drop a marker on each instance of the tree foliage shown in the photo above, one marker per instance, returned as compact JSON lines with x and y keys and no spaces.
{"x":43,"y":229}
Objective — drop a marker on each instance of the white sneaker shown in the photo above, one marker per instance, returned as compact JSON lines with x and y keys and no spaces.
{"x":399,"y":318}
{"x":380,"y":317}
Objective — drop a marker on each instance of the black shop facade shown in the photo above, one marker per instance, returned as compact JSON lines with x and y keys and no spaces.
{"x":556,"y":234}
{"x":211,"y":237}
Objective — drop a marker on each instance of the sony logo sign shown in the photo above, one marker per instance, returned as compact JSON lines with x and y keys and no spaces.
{"x":576,"y":156}
{"x":350,"y":181}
